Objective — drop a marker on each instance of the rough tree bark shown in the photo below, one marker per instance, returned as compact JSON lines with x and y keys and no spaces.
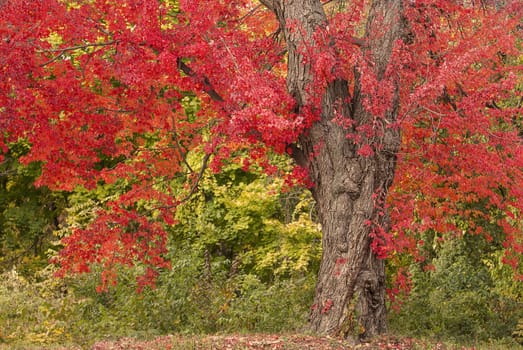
{"x":349,"y":188}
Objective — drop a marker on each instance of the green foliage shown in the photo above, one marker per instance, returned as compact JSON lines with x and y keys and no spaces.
{"x":279,"y":307}
{"x":242,"y":218}
{"x":28,"y":215}
{"x":244,"y":259}
{"x":468,"y":295}
{"x":37,"y":312}
{"x":518,"y":332}
{"x":118,"y":312}
{"x":236,"y":261}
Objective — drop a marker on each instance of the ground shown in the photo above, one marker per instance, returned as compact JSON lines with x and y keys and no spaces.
{"x":265,"y":342}
{"x":272,"y":342}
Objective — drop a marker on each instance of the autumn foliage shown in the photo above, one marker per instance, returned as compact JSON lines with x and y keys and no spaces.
{"x":460,"y":167}
{"x":102,"y":90}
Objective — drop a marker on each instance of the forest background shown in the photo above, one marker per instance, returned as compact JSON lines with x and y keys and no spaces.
{"x":242,"y":251}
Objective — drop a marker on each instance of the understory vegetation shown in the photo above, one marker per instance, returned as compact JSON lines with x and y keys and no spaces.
{"x":244,"y":258}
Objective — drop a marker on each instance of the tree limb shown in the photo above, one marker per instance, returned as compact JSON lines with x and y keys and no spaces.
{"x":270,"y":4}
{"x":198,"y":178}
{"x":207,"y":86}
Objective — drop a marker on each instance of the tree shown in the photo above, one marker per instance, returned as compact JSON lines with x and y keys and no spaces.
{"x":28,"y":215}
{"x":122,"y":92}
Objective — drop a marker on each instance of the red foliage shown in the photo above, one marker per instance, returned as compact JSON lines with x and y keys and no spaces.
{"x":327,"y":306}
{"x":111,"y":90}
{"x":462,"y":151}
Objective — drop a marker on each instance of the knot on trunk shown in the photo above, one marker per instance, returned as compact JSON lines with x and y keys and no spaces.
{"x":370,"y":294}
{"x":370,"y":291}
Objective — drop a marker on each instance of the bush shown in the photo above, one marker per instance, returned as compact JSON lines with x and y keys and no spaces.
{"x":281,"y":307}
{"x":463,"y":298}
{"x":36,"y":312}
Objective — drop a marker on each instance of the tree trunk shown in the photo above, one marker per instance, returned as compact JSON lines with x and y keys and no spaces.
{"x":349,"y":188}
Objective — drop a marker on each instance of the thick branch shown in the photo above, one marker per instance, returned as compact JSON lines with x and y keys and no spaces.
{"x":208,"y":88}
{"x":270,"y":4}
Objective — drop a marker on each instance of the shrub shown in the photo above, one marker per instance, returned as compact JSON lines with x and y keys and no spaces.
{"x":463,"y":298}
{"x":36,"y":312}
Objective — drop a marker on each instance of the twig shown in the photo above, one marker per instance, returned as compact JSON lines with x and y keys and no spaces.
{"x":433,"y":112}
{"x":249,"y":14}
{"x":183,"y":152}
{"x":76,"y":47}
{"x":198,"y":178}
{"x":63,"y":50}
{"x":194,"y":186}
